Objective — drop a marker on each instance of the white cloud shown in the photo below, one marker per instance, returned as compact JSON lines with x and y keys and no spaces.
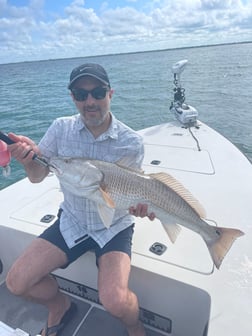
{"x":28,"y":33}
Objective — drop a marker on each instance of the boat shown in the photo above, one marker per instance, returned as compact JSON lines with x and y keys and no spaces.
{"x":180,"y":291}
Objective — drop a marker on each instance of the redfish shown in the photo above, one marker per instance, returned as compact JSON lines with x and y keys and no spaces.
{"x":114,"y":186}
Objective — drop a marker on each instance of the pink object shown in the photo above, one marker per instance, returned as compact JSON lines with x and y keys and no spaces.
{"x":5,"y":155}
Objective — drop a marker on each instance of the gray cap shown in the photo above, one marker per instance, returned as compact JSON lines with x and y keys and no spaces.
{"x":89,"y":69}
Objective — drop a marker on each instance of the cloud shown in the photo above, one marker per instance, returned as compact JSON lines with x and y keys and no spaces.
{"x":31,"y":33}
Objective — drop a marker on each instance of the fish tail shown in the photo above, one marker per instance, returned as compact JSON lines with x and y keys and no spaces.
{"x":219,"y":248}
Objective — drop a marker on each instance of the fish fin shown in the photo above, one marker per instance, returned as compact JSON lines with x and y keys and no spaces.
{"x":107,"y":198}
{"x":106,"y":214}
{"x":219,"y":248}
{"x":172,"y":230}
{"x":176,"y":186}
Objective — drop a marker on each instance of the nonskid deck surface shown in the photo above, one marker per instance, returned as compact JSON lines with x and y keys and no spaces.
{"x":89,"y":320}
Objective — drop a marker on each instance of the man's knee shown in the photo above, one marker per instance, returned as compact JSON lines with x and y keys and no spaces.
{"x":115,"y":302}
{"x":14,"y":282}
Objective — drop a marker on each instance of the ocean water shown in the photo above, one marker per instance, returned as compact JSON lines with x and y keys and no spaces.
{"x":217,"y":80}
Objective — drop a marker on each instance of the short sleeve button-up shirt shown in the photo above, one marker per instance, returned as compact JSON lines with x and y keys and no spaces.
{"x":68,"y":136}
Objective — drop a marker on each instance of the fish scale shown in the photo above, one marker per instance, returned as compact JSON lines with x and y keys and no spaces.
{"x":128,"y":189}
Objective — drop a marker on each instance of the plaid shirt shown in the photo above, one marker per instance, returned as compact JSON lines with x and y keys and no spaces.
{"x":68,"y":136}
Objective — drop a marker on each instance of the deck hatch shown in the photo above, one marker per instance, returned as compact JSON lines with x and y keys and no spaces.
{"x":42,"y":210}
{"x":178,"y":158}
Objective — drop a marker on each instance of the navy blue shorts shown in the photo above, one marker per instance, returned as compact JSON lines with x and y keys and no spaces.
{"x":121,"y":242}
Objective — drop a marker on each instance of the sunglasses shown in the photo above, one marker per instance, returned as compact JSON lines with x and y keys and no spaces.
{"x":82,"y":94}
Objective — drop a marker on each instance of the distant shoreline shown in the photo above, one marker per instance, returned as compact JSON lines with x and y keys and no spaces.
{"x":167,"y":49}
{"x":132,"y":52}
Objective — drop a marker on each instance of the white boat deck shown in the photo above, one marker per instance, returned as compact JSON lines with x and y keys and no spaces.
{"x":180,"y":292}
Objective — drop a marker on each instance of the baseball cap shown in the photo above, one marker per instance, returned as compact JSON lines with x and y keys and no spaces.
{"x":89,"y":69}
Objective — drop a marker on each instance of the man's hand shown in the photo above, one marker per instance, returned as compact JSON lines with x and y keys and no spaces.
{"x":23,"y":149}
{"x":141,"y":210}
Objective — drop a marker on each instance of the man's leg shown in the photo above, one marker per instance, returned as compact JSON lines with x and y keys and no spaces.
{"x":29,"y":277}
{"x":116,"y":297}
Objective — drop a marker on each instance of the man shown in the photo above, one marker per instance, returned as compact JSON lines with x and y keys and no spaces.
{"x":94,"y":133}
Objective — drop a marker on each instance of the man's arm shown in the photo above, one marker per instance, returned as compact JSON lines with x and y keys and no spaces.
{"x":23,"y":151}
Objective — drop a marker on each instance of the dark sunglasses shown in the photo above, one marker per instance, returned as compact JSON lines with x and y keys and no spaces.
{"x":82,"y":94}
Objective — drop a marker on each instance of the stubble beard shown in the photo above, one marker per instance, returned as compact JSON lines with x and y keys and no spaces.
{"x":94,"y":122}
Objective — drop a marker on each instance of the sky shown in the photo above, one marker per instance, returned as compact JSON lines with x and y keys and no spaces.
{"x":50,"y":29}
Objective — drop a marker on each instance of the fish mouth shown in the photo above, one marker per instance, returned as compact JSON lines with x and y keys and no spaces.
{"x":54,"y":169}
{"x":57,"y":170}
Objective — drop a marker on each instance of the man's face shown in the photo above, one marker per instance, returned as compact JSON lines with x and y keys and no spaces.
{"x":94,"y":110}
